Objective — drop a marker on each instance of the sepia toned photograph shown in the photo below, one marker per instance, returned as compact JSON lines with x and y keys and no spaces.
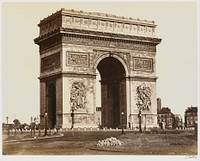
{"x":100,"y":79}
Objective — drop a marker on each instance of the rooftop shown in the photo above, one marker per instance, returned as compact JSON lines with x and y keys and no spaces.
{"x":191,"y":109}
{"x":164,"y":110}
{"x":99,"y":15}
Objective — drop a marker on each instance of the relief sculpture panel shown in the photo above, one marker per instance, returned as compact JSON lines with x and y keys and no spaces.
{"x":50,"y":62}
{"x":143,"y":97}
{"x":77,"y":59}
{"x":84,"y":40}
{"x":78,"y":96}
{"x":143,"y":64}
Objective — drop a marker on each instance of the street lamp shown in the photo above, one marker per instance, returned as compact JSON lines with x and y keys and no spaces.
{"x":7,"y":120}
{"x":195,"y":128}
{"x":7,"y":126}
{"x":122,"y":122}
{"x":45,"y":123}
{"x":140,"y":116}
{"x":72,"y":116}
{"x":145,"y":126}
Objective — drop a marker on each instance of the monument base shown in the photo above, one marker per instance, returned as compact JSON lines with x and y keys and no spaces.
{"x":147,"y":121}
{"x":80,"y":120}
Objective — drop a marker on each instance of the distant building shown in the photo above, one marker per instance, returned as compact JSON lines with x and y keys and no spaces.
{"x":190,"y":116}
{"x":178,"y":121}
{"x":165,"y":118}
{"x":159,"y":104}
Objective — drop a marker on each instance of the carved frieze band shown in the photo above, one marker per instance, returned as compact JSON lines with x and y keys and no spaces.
{"x":50,"y":62}
{"x":78,"y":59}
{"x":106,"y":42}
{"x":99,"y":25}
{"x":143,"y":64}
{"x":118,"y":27}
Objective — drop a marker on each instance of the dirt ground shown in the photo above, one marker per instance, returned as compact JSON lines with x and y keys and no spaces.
{"x":84,"y":143}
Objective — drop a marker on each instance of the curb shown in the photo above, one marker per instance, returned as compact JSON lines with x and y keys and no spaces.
{"x":105,"y":150}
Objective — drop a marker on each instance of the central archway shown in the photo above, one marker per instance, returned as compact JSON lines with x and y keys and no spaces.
{"x":113,"y":92}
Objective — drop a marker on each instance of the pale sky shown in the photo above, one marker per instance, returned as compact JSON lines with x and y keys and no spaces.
{"x":176,"y":55}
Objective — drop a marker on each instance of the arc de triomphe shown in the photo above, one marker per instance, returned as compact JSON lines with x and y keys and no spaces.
{"x":72,"y":45}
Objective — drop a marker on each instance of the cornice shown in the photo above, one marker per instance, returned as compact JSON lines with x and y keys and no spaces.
{"x":50,"y":76}
{"x":98,"y":34}
{"x":98,"y":16}
{"x":46,"y":36}
{"x":96,"y":21}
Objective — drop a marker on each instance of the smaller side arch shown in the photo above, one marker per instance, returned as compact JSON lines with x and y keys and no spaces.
{"x":51,"y":104}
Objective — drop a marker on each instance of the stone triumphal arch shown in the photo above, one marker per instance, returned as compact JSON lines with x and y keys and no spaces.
{"x":73,"y":44}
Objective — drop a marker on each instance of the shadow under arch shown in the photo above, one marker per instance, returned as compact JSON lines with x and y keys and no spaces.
{"x":107,"y":55}
{"x":51,"y":110}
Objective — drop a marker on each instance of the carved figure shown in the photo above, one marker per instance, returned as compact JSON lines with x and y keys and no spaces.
{"x":78,"y":96}
{"x":78,"y":59}
{"x":143,"y":97}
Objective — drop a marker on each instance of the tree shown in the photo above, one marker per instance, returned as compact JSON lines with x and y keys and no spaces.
{"x":3,"y":126}
{"x":25,"y":126}
{"x":17,"y":124}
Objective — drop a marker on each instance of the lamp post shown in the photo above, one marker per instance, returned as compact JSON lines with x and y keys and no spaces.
{"x":195,"y":128}
{"x":140,"y":116}
{"x":7,"y":126}
{"x":145,"y":125}
{"x":72,"y":116}
{"x":122,"y":122}
{"x":34,"y":125}
{"x":31,"y":125}
{"x":45,"y":123}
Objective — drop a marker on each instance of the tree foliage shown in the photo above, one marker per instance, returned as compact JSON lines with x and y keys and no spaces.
{"x":17,"y":123}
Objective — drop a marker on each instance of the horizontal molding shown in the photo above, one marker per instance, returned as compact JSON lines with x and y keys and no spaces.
{"x":74,"y":74}
{"x":51,"y":76}
{"x":99,"y":35}
{"x":67,"y":74}
{"x":142,"y":78}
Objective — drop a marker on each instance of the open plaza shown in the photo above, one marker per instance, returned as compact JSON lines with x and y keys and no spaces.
{"x":84,"y":142}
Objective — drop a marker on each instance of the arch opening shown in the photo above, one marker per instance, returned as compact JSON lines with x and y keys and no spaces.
{"x":113,"y":92}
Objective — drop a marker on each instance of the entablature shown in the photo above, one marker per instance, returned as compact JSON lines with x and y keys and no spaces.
{"x":95,"y":21}
{"x":96,"y":38}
